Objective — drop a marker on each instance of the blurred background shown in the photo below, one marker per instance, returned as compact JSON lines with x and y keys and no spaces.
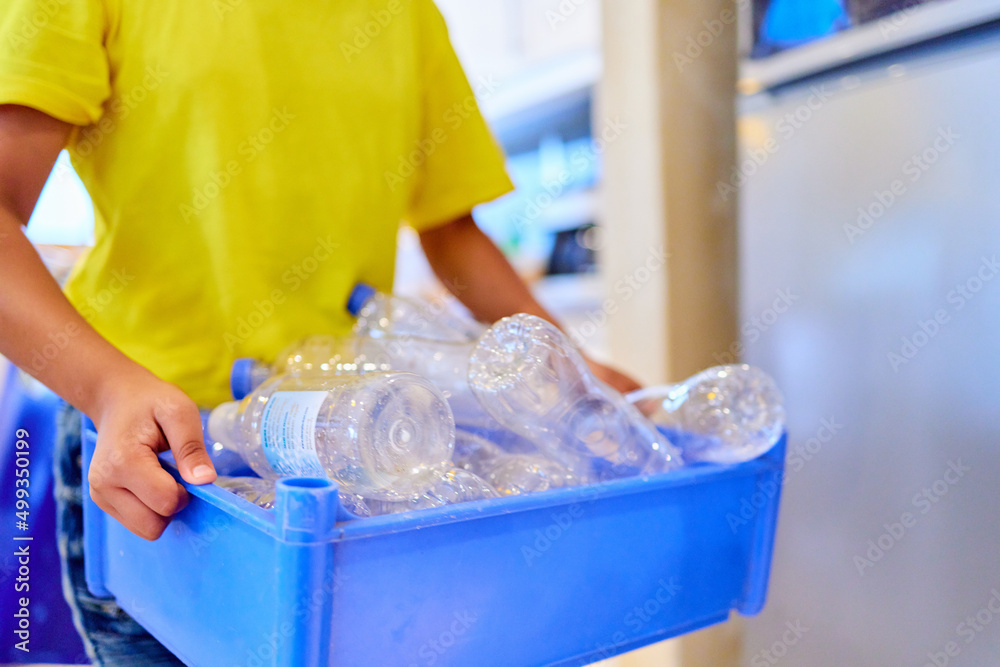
{"x":810,"y":186}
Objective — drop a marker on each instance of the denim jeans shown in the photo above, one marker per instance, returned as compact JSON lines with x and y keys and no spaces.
{"x":110,"y":636}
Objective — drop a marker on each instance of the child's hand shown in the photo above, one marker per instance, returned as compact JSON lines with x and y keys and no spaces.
{"x":139,"y":418}
{"x":613,"y":378}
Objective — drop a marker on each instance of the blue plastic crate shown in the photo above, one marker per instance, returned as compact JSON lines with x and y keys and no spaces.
{"x":565,"y":577}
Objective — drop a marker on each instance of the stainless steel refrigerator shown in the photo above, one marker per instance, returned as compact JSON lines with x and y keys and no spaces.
{"x":869,"y":188}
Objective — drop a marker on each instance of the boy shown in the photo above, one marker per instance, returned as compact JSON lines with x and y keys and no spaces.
{"x":244,"y":157}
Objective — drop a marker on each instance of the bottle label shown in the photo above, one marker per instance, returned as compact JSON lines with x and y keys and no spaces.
{"x":288,"y":432}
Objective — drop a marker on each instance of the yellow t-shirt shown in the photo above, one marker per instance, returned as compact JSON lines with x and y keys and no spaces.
{"x":249,"y":161}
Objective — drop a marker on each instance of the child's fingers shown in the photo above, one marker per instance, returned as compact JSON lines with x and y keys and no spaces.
{"x":181,"y":425}
{"x":124,"y":506}
{"x":153,"y":485}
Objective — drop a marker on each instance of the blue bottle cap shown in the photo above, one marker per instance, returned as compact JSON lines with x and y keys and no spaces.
{"x":241,"y":378}
{"x":360,"y":295}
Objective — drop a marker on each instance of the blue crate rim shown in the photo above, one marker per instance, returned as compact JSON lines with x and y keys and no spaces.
{"x":481,"y":509}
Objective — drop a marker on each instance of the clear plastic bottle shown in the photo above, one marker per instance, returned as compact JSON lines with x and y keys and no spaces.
{"x":735,"y":413}
{"x":388,"y":436}
{"x":386,"y":314}
{"x":320,"y":353}
{"x":508,"y":472}
{"x":226,"y":462}
{"x":492,"y":438}
{"x":532,"y":379}
{"x":455,"y":486}
{"x":473,"y":452}
{"x":445,"y":363}
{"x":355,"y":504}
{"x":258,"y":491}
{"x":515,"y":474}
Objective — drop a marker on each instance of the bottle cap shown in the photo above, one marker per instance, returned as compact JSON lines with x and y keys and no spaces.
{"x":360,"y":295}
{"x":241,"y":378}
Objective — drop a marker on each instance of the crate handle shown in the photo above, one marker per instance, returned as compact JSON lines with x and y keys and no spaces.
{"x":307,"y":509}
{"x":94,"y":530}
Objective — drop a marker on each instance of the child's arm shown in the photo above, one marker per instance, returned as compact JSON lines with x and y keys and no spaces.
{"x":478,"y":274}
{"x":136,"y":413}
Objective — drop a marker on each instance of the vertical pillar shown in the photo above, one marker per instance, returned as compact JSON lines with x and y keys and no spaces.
{"x":670,"y":79}
{"x":305,"y":515}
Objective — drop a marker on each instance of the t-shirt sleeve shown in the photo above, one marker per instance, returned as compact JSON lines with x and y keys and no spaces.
{"x":52,"y":57}
{"x":466,"y":166}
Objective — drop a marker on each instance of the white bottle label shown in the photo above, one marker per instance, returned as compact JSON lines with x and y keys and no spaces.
{"x":288,"y":432}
